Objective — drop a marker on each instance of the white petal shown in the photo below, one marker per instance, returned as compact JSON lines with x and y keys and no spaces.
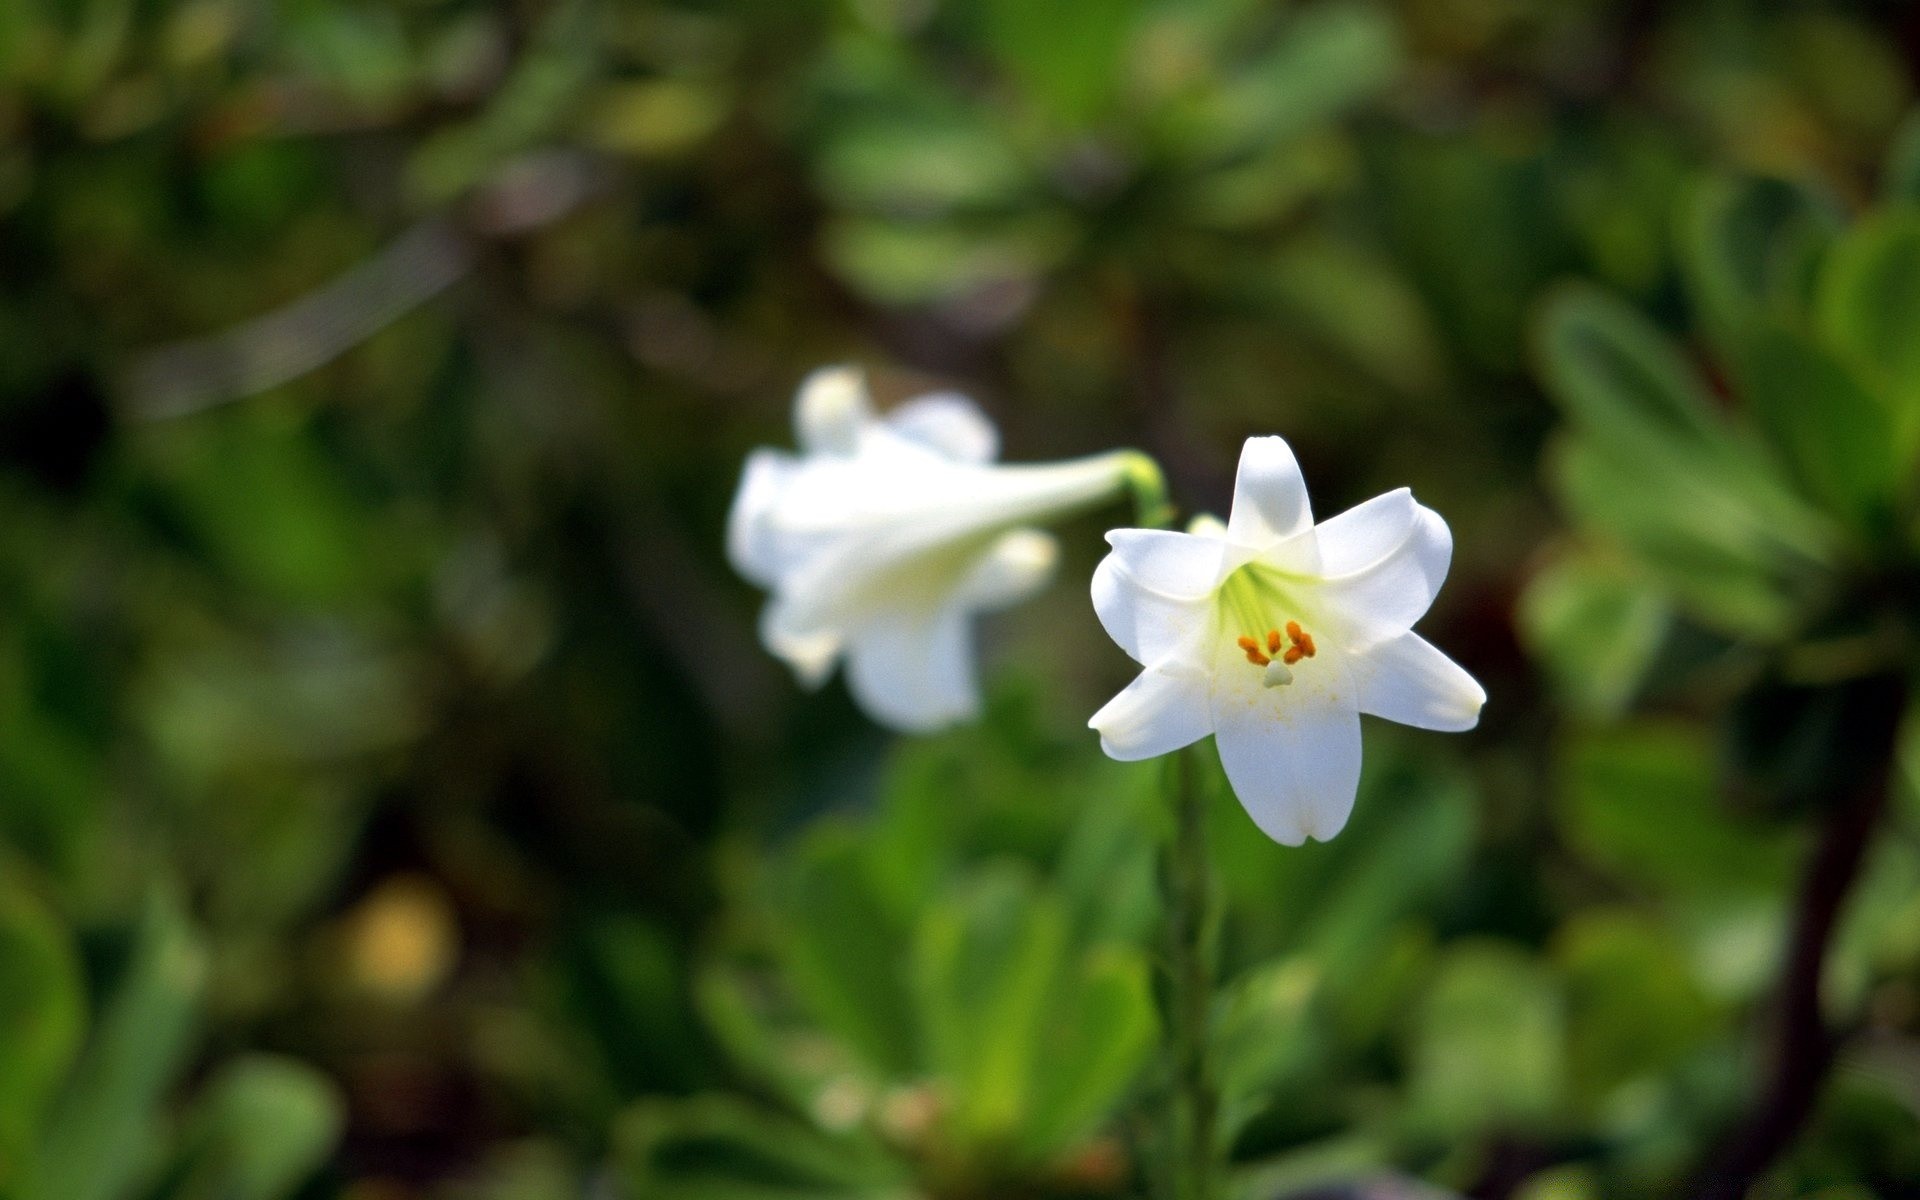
{"x":810,"y":652}
{"x":831,"y":410}
{"x":1389,"y":596}
{"x":1017,"y":566}
{"x":949,"y":423}
{"x":1366,"y":533}
{"x":1269,"y":497}
{"x":752,"y":541}
{"x":1405,"y":679}
{"x":1163,"y":709}
{"x":912,"y":672}
{"x":1294,"y":766}
{"x":1173,"y":564}
{"x":1149,"y":625}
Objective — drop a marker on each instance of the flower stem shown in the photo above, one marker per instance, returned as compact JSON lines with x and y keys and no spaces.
{"x":1151,"y":507}
{"x":1187,"y":1001}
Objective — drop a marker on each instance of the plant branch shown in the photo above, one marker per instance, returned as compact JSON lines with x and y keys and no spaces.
{"x":1804,"y":1046}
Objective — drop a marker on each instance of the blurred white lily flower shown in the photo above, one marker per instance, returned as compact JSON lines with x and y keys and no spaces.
{"x":1274,"y":634}
{"x":885,"y":536}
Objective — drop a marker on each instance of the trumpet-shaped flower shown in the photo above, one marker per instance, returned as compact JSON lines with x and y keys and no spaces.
{"x":1274,"y":634}
{"x":886,"y":535}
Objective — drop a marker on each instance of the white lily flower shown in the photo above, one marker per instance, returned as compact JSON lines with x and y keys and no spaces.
{"x":886,"y":535}
{"x":1274,"y":634}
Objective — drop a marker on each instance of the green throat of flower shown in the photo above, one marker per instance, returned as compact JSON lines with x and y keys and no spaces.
{"x":1254,"y":608}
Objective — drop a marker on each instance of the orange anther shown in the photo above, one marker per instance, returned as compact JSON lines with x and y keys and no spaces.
{"x":1273,"y":641}
{"x":1306,"y":643}
{"x":1248,"y":644}
{"x":1256,"y":658}
{"x":1293,"y":655}
{"x":1293,"y":630}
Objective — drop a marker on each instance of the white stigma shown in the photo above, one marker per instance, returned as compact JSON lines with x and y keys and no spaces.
{"x":1277,"y":674}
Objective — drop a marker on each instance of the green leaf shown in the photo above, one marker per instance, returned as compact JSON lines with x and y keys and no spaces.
{"x":104,"y":1130}
{"x":1836,"y":437}
{"x":42,"y":1008}
{"x":986,"y":966}
{"x":1100,"y":1033}
{"x":720,"y":1147}
{"x":1067,"y":53}
{"x":1749,"y":248}
{"x":1329,"y":59}
{"x":1487,"y":1045}
{"x":259,"y":1130}
{"x":1900,"y":179}
{"x":1595,"y":625}
{"x":1869,"y":310}
{"x":1619,"y":379}
{"x":1641,"y":803}
{"x":843,"y":953}
{"x":1634,"y":1009}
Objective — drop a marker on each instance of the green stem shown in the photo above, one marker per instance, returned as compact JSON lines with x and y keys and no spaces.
{"x":1188,"y":1001}
{"x":1151,"y":507}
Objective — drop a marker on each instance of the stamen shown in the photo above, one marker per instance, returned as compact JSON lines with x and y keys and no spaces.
{"x":1306,"y":643}
{"x":1293,"y":655}
{"x":1293,"y":630}
{"x":1249,"y":645}
{"x":1257,"y":659}
{"x":1273,"y":641}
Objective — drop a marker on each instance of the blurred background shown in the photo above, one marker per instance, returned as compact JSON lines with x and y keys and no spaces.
{"x":395,"y":801}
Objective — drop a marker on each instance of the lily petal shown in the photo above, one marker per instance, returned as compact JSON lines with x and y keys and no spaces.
{"x":1296,"y":768}
{"x":1163,"y":709}
{"x":949,"y":423}
{"x":831,"y":410}
{"x":1406,"y":679}
{"x":1183,"y":565}
{"x":1017,"y":566}
{"x":914,"y":674}
{"x":1148,"y":624}
{"x":753,"y":542}
{"x":1366,"y":533}
{"x":1269,"y":496}
{"x":1388,"y":597}
{"x":810,"y":652}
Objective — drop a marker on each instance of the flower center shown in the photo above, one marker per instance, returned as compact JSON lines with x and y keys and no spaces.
{"x":1276,"y":661}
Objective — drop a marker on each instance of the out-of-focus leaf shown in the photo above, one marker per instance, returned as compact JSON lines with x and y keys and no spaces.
{"x":921,"y":167}
{"x":1870,"y":312}
{"x":262,"y":1126}
{"x":719,"y":1147}
{"x":843,"y":952}
{"x":1595,"y":625}
{"x":1067,"y":53}
{"x":1329,"y":58}
{"x":1265,"y":1036}
{"x":653,"y":118}
{"x":1100,"y":1032}
{"x":903,"y":262}
{"x":1619,"y":378}
{"x":1836,"y":437}
{"x":1633,"y":1007}
{"x":1655,"y":466}
{"x":1487,"y":1045}
{"x":1900,"y":183}
{"x":1361,"y":304}
{"x":1641,"y":801}
{"x":1750,"y":248}
{"x":42,"y":1011}
{"x":986,"y":965}
{"x":101,"y":1134}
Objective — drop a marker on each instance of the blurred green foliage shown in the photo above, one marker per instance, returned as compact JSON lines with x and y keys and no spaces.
{"x":393,"y":801}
